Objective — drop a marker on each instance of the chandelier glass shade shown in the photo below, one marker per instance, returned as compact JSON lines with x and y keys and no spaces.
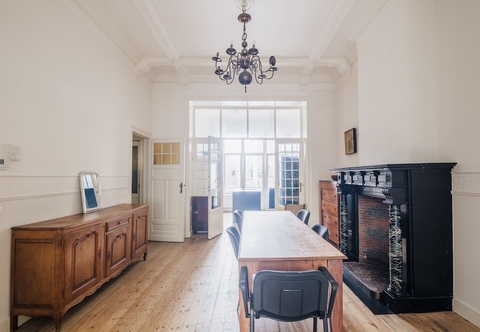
{"x":245,"y":64}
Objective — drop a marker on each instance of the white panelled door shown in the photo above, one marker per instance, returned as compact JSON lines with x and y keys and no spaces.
{"x":215,"y":187}
{"x":167,"y":199}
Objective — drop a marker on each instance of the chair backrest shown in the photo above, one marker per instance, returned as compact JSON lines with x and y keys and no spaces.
{"x":294,"y":208}
{"x":303,"y":215}
{"x":321,"y":230}
{"x":290,"y":296}
{"x":238,"y":215}
{"x":234,"y":236}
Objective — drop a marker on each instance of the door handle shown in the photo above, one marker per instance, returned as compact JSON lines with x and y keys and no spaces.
{"x":181,"y":187}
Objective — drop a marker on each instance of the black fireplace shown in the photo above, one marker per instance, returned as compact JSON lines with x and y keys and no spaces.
{"x":396,"y":230}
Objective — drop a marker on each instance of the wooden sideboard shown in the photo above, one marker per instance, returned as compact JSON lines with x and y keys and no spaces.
{"x":56,"y":263}
{"x":329,"y":209}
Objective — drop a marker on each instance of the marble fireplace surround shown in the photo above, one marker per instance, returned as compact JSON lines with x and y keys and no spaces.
{"x":418,"y":199}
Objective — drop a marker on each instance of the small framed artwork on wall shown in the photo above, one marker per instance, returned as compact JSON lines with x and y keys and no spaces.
{"x":351,"y":141}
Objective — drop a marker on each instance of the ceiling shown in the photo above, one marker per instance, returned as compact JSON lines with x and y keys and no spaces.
{"x":174,"y":40}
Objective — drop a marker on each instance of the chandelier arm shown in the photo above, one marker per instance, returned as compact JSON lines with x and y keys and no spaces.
{"x":234,"y":64}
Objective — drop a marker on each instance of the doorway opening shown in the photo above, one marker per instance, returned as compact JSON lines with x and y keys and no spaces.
{"x":138,"y":188}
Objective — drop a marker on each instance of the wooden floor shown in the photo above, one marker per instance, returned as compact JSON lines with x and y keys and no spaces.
{"x":192,"y":286}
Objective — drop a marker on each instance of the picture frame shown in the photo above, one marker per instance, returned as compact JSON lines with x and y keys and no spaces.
{"x":351,"y":141}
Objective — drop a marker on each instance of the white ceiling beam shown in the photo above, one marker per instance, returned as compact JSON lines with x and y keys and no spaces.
{"x":156,"y":23}
{"x":334,"y":19}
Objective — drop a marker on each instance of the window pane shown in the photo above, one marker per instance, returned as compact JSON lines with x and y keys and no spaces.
{"x":232,"y":146}
{"x":234,"y":123}
{"x":253,"y":146}
{"x":202,"y":169}
{"x":207,"y":122}
{"x":261,"y":124}
{"x":288,"y":123}
{"x":271,"y":146}
{"x":288,"y":174}
{"x":253,"y":172}
{"x":232,"y":173}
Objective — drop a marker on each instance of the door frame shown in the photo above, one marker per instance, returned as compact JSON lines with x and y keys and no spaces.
{"x":143,"y":144}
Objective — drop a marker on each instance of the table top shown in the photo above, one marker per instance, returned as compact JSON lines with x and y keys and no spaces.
{"x":277,"y":235}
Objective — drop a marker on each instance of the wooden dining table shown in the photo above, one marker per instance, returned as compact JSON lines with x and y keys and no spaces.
{"x":278,"y":240}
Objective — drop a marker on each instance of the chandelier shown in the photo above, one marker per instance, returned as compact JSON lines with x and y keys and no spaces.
{"x":245,"y":63}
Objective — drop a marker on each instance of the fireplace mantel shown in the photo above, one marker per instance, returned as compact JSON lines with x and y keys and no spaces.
{"x":419,"y":203}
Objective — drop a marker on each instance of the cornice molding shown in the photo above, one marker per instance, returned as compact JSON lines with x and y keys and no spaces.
{"x":96,"y":16}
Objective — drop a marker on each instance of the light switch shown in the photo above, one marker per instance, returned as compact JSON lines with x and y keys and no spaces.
{"x":15,"y":152}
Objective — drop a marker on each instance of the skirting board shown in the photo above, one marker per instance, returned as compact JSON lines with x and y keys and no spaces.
{"x":466,"y":312}
{"x":5,"y":325}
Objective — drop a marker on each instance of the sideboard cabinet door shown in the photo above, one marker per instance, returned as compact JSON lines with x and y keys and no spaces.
{"x":140,"y":234}
{"x":83,"y":257}
{"x":117,"y":245}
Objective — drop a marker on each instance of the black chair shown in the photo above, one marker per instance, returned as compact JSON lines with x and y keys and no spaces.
{"x":303,"y":215}
{"x":234,"y":238}
{"x":321,"y":230}
{"x":238,"y":215}
{"x":289,"y":296}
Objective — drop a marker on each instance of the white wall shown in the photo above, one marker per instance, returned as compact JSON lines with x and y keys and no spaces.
{"x":396,"y":79}
{"x":418,"y":79}
{"x":70,"y":103}
{"x":457,"y":36}
{"x":347,"y":118}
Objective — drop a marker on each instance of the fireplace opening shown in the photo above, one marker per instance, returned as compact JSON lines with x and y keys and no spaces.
{"x":372,"y":267}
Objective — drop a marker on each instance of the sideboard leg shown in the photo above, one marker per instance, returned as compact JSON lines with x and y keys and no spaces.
{"x":13,"y":323}
{"x":58,"y":322}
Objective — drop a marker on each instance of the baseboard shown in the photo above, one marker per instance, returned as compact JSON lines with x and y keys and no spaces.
{"x":466,"y":312}
{"x":5,"y":325}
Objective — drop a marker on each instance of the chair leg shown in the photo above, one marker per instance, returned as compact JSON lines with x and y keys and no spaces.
{"x":252,"y":321}
{"x":314,"y":324}
{"x":325,"y":324}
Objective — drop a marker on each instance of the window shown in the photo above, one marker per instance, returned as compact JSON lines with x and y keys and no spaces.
{"x":253,"y":133}
{"x":166,"y":153}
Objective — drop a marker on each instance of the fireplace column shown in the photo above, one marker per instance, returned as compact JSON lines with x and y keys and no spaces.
{"x":343,"y":224}
{"x":396,"y":261}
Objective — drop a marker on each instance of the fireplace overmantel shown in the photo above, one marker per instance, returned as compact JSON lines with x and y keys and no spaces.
{"x":418,"y":198}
